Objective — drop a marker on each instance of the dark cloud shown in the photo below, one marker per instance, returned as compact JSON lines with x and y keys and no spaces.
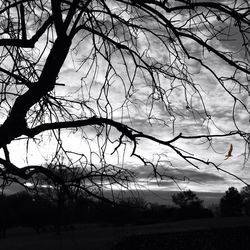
{"x":178,"y":174}
{"x":163,"y":183}
{"x":204,"y":1}
{"x":13,"y":188}
{"x":232,"y":38}
{"x":199,"y":176}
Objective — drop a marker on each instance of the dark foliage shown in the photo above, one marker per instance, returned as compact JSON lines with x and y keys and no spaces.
{"x":187,"y":199}
{"x":245,"y":194}
{"x":43,"y":213}
{"x":190,"y":206}
{"x":231,"y":203}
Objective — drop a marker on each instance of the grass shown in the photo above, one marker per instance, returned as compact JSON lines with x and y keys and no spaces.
{"x":213,"y":239}
{"x":216,"y":233}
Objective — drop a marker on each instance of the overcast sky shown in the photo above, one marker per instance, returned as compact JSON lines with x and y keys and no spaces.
{"x":218,"y":103}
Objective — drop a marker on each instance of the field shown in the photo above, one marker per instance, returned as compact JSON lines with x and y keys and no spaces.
{"x":216,"y":233}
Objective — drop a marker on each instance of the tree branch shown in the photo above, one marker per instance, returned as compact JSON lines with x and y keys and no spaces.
{"x":57,"y":17}
{"x":27,"y":43}
{"x":131,"y":133}
{"x":22,"y":13}
{"x":81,"y":123}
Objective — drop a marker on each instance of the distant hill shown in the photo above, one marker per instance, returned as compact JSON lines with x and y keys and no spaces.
{"x":165,"y":197}
{"x":156,"y":196}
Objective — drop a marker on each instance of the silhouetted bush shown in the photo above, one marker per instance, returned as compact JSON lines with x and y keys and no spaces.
{"x":245,"y":194}
{"x":187,"y":199}
{"x":159,"y":213}
{"x":192,"y":213}
{"x":190,"y":206}
{"x":231,"y":203}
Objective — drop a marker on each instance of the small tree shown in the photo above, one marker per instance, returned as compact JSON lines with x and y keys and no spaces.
{"x":190,"y":206}
{"x":245,"y":194}
{"x":231,"y":203}
{"x":187,"y":199}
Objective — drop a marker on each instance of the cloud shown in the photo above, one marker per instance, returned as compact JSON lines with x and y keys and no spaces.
{"x":184,"y":174}
{"x":232,"y":39}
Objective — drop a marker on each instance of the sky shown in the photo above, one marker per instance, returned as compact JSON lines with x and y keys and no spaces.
{"x":138,"y":107}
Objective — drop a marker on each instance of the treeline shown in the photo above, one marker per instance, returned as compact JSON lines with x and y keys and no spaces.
{"x":58,"y":212}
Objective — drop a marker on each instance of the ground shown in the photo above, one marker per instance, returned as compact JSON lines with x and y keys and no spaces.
{"x":103,"y":237}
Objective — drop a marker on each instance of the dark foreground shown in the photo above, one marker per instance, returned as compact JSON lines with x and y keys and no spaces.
{"x":209,"y":234}
{"x":212,"y":239}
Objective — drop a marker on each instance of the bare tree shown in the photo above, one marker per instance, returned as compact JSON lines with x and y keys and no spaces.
{"x":125,"y":57}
